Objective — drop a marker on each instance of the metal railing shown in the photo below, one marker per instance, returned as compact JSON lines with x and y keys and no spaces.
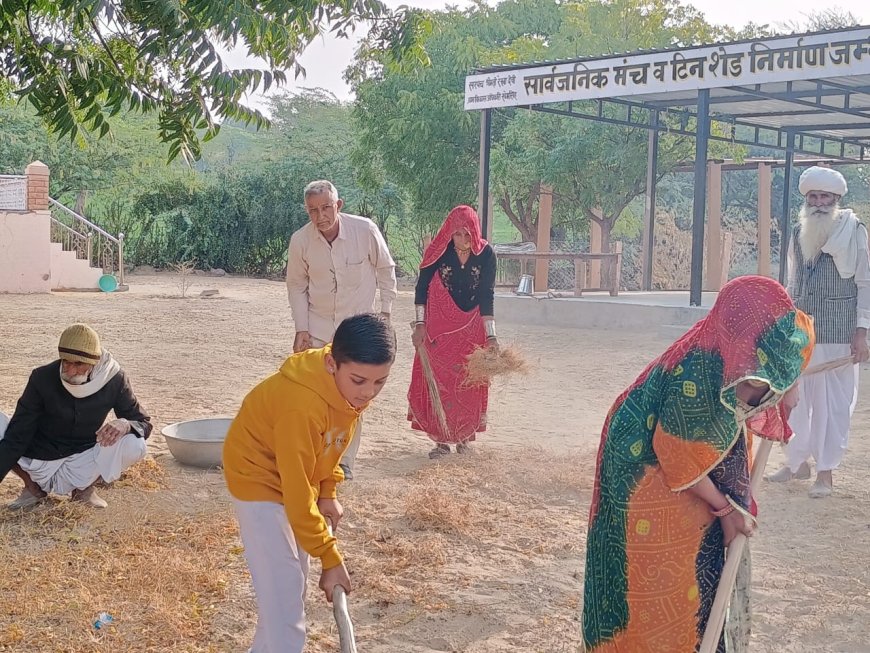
{"x":13,"y":192}
{"x":90,"y":243}
{"x":573,"y":271}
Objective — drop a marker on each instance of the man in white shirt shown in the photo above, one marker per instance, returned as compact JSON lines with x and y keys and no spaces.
{"x":335,"y":265}
{"x":829,"y":278}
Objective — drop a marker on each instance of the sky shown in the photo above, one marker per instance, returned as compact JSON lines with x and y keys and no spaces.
{"x":326,"y":59}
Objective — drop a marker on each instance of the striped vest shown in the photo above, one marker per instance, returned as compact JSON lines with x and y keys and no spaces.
{"x":820,"y":291}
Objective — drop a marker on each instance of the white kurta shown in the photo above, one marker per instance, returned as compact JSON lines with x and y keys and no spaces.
{"x":821,"y":419}
{"x":329,"y":282}
{"x":279,"y":573}
{"x":81,"y":470}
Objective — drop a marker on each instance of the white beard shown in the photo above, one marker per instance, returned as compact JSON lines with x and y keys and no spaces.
{"x":817,"y":225}
{"x":79,"y":379}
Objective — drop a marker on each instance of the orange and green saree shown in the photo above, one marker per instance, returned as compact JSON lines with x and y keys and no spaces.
{"x":654,"y":552}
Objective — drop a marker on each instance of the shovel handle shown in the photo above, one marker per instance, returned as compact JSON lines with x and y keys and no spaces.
{"x":718,"y":612}
{"x":346,"y":638}
{"x":342,"y":620}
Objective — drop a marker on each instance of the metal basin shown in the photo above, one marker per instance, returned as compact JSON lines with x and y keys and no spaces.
{"x":197,"y":442}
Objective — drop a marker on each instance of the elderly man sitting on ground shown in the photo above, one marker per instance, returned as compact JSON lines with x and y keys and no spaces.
{"x":57,"y":441}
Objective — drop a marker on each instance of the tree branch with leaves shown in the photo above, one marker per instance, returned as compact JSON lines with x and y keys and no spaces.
{"x":81,"y":62}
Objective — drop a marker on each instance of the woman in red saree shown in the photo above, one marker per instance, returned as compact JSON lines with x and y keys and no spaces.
{"x":454,"y":316}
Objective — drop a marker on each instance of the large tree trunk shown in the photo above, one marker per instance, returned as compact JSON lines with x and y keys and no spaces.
{"x":606,"y":267}
{"x":520,"y":213}
{"x":605,"y":223}
{"x":81,"y":198}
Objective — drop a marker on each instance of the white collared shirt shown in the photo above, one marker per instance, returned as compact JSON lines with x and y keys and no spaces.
{"x":327,"y":283}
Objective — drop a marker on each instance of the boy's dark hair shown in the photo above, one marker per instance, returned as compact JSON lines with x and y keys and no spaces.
{"x":366,"y":338}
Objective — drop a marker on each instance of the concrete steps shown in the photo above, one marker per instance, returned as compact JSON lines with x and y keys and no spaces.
{"x":71,"y":273}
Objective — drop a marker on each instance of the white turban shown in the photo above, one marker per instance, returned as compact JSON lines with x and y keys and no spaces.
{"x":822,"y":180}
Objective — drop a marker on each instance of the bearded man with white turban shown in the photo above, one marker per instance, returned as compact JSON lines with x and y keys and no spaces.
{"x":58,"y":440}
{"x":829,"y":278}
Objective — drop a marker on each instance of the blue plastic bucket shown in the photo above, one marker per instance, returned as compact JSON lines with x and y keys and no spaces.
{"x":108,"y":283}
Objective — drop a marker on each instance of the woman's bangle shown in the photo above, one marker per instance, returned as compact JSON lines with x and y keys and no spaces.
{"x":489,"y":327}
{"x":724,"y":512}
{"x":420,"y":312}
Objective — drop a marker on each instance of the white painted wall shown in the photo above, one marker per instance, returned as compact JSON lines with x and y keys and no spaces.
{"x":25,"y":259}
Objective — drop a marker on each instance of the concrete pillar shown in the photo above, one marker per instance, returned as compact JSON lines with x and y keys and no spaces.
{"x":37,"y":186}
{"x":489,"y":219}
{"x":714,"y":226}
{"x":594,"y":271}
{"x":545,"y":223}
{"x":764,"y":193}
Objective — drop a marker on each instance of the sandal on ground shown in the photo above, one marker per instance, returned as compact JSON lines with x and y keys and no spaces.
{"x":27,"y":499}
{"x":439,"y":451}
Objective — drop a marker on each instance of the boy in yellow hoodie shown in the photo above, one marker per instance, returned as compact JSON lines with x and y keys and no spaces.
{"x":281,"y":465}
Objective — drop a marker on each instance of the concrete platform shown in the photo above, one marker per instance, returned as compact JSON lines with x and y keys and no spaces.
{"x":666,"y":312}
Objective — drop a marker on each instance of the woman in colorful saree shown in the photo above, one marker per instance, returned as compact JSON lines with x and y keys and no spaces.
{"x":454,"y":315}
{"x":672,"y":481}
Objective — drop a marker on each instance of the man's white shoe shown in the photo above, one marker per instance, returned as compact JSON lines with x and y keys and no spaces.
{"x":785,"y":474}
{"x":26,"y":500}
{"x":820,"y":489}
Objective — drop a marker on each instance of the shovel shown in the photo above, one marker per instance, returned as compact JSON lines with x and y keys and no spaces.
{"x":346,"y":638}
{"x":342,"y":620}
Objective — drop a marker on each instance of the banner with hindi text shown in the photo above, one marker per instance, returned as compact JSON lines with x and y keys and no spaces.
{"x":816,"y":56}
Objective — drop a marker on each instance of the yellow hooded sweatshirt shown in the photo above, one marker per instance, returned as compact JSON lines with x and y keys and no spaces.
{"x":285,"y":445}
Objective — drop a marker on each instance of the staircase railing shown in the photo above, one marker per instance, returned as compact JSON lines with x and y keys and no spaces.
{"x":91,"y":243}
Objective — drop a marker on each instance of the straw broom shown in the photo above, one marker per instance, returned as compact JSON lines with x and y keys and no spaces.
{"x":432,"y":385}
{"x":483,"y":365}
{"x":735,"y":551}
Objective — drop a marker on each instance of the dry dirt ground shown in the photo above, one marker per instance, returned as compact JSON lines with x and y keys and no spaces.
{"x":480,"y":553}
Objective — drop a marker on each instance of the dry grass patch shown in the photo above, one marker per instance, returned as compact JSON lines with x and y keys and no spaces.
{"x":144,"y":475}
{"x":455,"y":538}
{"x":433,"y":508}
{"x":161,"y":580}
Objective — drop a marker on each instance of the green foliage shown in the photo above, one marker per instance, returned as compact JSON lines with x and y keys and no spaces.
{"x":412,"y":123}
{"x":238,"y":221}
{"x":79,"y":63}
{"x":83,"y":168}
{"x":238,"y":210}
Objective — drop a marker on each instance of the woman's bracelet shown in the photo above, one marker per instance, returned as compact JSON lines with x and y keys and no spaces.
{"x":489,"y":327}
{"x":420,"y":312}
{"x":724,"y":512}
